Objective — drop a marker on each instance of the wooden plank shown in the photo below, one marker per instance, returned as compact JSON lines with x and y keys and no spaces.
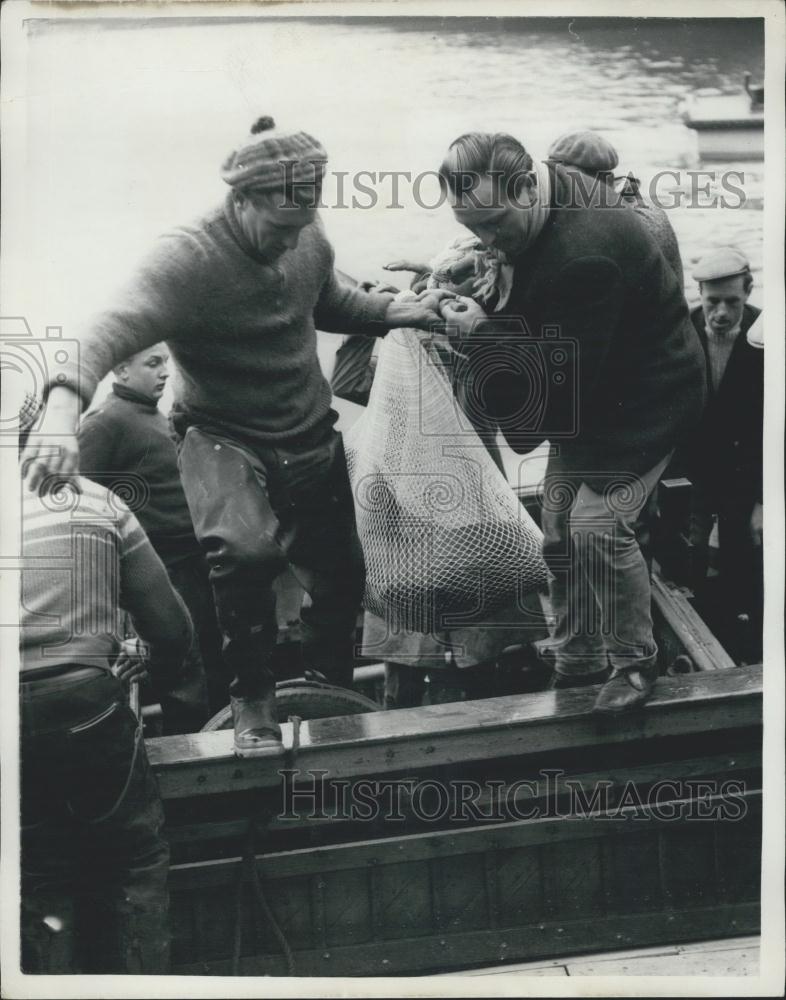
{"x":690,"y":630}
{"x":632,"y":881}
{"x":385,"y":742}
{"x":733,"y":962}
{"x":723,"y":945}
{"x":402,"y":900}
{"x":347,"y":907}
{"x":525,"y":969}
{"x":437,"y":844}
{"x":725,"y":766}
{"x":462,"y":892}
{"x":520,"y":885}
{"x":531,"y":970}
{"x":687,"y":861}
{"x":662,"y":954}
{"x":415,"y":955}
{"x":738,"y":859}
{"x":577,"y":878}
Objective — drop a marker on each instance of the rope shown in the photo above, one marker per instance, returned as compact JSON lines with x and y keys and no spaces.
{"x":256,"y":884}
{"x":248,"y":866}
{"x":238,"y":935}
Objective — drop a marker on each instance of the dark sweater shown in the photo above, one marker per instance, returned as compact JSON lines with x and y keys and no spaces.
{"x":242,"y":332}
{"x":726,"y":452}
{"x":596,"y":292}
{"x":126,"y":445}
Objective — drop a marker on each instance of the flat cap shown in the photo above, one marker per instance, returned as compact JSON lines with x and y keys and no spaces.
{"x":725,"y":262}
{"x":586,"y":150}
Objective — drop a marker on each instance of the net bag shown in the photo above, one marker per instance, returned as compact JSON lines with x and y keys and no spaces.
{"x":441,"y":529}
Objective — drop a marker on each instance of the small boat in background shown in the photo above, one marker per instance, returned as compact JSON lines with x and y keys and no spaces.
{"x":727,"y":126}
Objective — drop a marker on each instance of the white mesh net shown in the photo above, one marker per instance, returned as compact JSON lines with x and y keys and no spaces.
{"x":440,"y":527}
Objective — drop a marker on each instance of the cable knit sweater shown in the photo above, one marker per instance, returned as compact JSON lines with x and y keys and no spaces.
{"x":241,"y":331}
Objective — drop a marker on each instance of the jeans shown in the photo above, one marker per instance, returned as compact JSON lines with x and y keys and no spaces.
{"x":257,"y":509}
{"x":600,"y":585}
{"x":93,"y":854}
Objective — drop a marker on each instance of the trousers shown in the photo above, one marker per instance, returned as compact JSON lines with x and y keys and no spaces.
{"x":93,"y":855}
{"x":739,"y":587}
{"x":256,"y":509}
{"x":599,"y":580}
{"x":205,"y":687}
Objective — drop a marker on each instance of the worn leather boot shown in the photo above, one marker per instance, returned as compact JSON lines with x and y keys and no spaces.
{"x":628,"y":687}
{"x":257,"y":732}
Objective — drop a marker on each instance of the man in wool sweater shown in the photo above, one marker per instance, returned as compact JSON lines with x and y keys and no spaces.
{"x":126,"y":444}
{"x":238,"y":296}
{"x":594,"y":351}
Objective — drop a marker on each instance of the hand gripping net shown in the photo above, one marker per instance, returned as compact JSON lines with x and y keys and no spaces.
{"x":440,"y":527}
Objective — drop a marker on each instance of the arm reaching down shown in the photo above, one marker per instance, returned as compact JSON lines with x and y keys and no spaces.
{"x":157,"y":612}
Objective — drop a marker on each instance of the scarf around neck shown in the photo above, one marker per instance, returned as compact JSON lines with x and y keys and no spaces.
{"x":540,"y":205}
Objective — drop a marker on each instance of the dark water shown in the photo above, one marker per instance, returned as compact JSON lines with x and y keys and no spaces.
{"x":128,"y":127}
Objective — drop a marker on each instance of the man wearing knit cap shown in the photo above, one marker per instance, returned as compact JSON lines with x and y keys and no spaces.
{"x":724,"y":460}
{"x":595,"y":352}
{"x":238,"y":296}
{"x":595,"y":156}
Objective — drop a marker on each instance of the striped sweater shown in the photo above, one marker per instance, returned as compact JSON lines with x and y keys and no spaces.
{"x":86,"y":561}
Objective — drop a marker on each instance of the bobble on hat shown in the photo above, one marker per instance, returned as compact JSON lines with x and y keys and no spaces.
{"x":725,"y":262}
{"x":272,"y":158}
{"x":586,"y":150}
{"x":262,"y":125}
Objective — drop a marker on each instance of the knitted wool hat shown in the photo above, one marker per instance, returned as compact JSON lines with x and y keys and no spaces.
{"x":271,"y":158}
{"x":588,"y":151}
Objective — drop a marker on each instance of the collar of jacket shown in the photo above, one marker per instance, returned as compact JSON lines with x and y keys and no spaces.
{"x":133,"y":396}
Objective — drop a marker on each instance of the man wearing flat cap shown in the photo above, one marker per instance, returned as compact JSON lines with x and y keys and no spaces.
{"x":595,"y":352}
{"x":238,"y":296}
{"x":724,"y":461}
{"x":595,"y":156}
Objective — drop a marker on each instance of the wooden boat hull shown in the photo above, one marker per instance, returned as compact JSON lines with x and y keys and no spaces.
{"x":546,"y":877}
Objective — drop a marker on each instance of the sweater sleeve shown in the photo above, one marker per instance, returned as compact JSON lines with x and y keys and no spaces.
{"x":342,"y":309}
{"x":157,"y":612}
{"x":159,"y":303}
{"x":97,"y":443}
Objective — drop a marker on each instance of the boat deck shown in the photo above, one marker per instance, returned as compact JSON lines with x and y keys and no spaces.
{"x":729,"y":957}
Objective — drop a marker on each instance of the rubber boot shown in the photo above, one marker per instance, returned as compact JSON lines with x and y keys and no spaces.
{"x":559,"y":682}
{"x":255,"y":721}
{"x":629,"y":687}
